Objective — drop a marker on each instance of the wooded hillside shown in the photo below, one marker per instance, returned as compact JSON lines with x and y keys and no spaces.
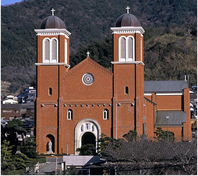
{"x":169,"y":41}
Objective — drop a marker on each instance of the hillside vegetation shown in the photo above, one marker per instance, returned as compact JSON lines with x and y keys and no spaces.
{"x":169,"y":40}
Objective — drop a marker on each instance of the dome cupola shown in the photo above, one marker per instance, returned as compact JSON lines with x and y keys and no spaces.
{"x":53,"y":22}
{"x":127,"y":20}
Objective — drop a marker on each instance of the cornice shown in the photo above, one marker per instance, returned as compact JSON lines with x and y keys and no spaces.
{"x":50,"y":64}
{"x":131,"y":62}
{"x":127,"y":30}
{"x":170,"y":94}
{"x":47,"y":32}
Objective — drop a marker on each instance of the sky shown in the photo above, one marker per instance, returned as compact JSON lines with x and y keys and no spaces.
{"x":8,"y":2}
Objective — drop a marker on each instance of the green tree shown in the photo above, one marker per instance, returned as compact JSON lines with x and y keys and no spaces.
{"x":104,"y":141}
{"x":88,"y":149}
{"x":21,"y":160}
{"x":11,"y":130}
{"x":10,"y":162}
{"x":131,"y":136}
{"x":164,"y":135}
{"x":6,"y":156}
{"x":29,"y":147}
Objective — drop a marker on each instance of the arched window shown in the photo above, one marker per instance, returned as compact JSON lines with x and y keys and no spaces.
{"x":54,"y":46}
{"x":50,"y":91}
{"x":50,"y":50}
{"x":126,"y":48}
{"x":69,"y":114}
{"x":46,"y":50}
{"x":65,"y":51}
{"x":130,"y":49}
{"x":106,"y":114}
{"x":122,"y":50}
{"x":126,"y":90}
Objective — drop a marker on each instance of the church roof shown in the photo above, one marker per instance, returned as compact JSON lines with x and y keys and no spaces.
{"x":127,"y":19}
{"x":164,"y":86}
{"x":53,"y":22}
{"x":176,"y":118}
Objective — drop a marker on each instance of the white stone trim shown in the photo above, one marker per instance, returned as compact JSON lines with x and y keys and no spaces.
{"x":127,"y":30}
{"x":51,"y":49}
{"x":50,"y":64}
{"x":65,"y":51}
{"x":133,"y":49}
{"x":80,"y":130}
{"x":141,"y":51}
{"x":43,"y":50}
{"x":127,"y":59}
{"x":131,"y":62}
{"x":119,"y":50}
{"x":147,"y":94}
{"x":161,"y":94}
{"x":47,"y":32}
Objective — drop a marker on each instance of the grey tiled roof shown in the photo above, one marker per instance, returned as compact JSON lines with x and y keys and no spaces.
{"x":176,"y":118}
{"x":17,"y":106}
{"x":10,"y":106}
{"x":164,"y":86}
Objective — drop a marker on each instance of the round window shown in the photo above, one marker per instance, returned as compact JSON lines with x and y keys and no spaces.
{"x":88,"y":79}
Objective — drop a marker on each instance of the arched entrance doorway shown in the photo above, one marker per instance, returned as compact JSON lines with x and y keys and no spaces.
{"x":87,"y":131}
{"x":88,"y":138}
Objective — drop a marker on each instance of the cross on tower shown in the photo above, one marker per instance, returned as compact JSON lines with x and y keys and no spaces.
{"x":127,"y":8}
{"x":88,"y":53}
{"x":52,"y":11}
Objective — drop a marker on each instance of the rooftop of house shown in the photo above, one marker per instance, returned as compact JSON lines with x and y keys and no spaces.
{"x":164,"y":86}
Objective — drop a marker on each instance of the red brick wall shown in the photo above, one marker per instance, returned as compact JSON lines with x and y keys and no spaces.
{"x":187,"y":125}
{"x":101,"y":89}
{"x":149,"y":113}
{"x":48,"y":79}
{"x":79,"y":113}
{"x":124,"y":75}
{"x":169,"y":102}
{"x":125,"y":119}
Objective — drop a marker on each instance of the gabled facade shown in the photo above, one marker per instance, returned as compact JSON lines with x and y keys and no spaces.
{"x":74,"y":106}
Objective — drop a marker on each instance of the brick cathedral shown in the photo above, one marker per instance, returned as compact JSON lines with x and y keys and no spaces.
{"x":74,"y":106}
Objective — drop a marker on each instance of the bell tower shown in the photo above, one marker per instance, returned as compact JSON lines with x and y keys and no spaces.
{"x":128,"y":70}
{"x":52,"y":63}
